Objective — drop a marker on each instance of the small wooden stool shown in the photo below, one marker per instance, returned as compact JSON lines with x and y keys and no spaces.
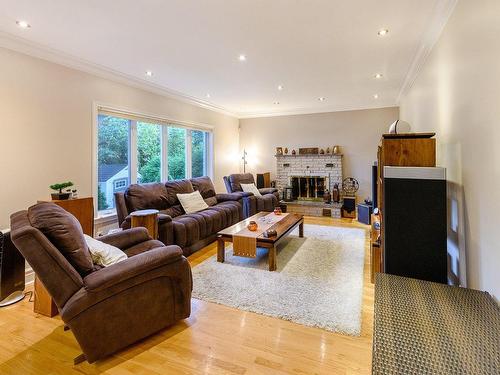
{"x":147,"y":219}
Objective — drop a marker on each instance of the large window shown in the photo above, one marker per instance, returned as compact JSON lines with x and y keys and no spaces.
{"x":112,"y":159}
{"x":148,"y":152}
{"x":176,"y":153}
{"x":131,"y":150}
{"x":199,"y":153}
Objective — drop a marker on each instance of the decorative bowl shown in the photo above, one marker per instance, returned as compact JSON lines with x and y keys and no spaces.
{"x":252,"y":226}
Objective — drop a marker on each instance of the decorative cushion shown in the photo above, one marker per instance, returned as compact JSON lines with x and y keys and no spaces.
{"x":251,"y":188}
{"x":102,"y":253}
{"x":65,"y":233}
{"x":192,"y":202}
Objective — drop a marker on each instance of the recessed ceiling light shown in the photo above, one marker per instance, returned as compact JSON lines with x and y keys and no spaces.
{"x":280,"y":87}
{"x":242,"y":58}
{"x":149,"y":73}
{"x":321,"y":98}
{"x":378,"y":75}
{"x":276,"y":103}
{"x":375,"y":96}
{"x":208,"y":96}
{"x":383,"y":32}
{"x":23,"y":24}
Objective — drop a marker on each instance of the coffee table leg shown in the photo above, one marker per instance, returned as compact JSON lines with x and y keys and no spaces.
{"x":221,"y":251}
{"x":272,"y":258}
{"x":301,"y":229}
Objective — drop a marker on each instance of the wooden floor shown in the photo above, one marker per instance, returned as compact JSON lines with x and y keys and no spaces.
{"x":214,"y":340}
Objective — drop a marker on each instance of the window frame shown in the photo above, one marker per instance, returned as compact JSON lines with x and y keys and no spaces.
{"x":165,"y":122}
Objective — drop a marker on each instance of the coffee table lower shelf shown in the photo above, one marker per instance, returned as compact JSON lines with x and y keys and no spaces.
{"x":283,"y":229}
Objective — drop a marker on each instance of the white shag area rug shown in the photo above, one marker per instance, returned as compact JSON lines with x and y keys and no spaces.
{"x":319,"y":280}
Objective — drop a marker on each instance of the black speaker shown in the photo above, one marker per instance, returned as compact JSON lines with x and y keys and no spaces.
{"x":11,"y":271}
{"x":414,"y":223}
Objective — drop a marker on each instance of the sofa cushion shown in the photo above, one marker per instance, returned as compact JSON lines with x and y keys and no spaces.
{"x":65,"y":232}
{"x":177,"y":187}
{"x":237,"y":179}
{"x":146,"y":196}
{"x":186,"y":230}
{"x":206,"y":188}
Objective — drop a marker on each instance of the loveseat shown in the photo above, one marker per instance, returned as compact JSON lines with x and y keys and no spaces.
{"x":189,"y":231}
{"x":107,"y":308}
{"x":267,"y":202}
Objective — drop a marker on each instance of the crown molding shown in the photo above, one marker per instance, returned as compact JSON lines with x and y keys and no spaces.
{"x":441,"y":14}
{"x":310,"y":111}
{"x":27,"y":47}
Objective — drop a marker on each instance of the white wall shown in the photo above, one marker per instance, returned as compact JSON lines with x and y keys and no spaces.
{"x":46,"y":127}
{"x":357,"y":132}
{"x":457,"y":95}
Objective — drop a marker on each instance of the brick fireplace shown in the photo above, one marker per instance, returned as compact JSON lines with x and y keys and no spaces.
{"x":309,"y":176}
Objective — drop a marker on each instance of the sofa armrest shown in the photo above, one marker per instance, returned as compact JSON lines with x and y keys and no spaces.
{"x":126,"y":238}
{"x":132,"y":267}
{"x":231,"y":196}
{"x":264,"y":191}
{"x":162,"y":218}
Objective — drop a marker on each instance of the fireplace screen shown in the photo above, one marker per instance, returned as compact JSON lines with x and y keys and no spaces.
{"x":308,"y":187}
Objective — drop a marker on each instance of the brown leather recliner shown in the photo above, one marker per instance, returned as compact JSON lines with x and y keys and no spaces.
{"x":267,"y":202}
{"x":108,"y":308}
{"x":190,"y":231}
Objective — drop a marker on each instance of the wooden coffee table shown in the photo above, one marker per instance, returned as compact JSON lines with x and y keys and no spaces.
{"x":283,"y":228}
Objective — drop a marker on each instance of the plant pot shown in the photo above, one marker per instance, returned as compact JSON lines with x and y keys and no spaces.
{"x":60,"y":196}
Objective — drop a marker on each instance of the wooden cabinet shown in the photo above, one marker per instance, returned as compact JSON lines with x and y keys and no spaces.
{"x":401,"y":150}
{"x":83,"y":210}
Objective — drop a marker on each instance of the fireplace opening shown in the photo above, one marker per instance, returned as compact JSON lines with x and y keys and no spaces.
{"x":308,"y":187}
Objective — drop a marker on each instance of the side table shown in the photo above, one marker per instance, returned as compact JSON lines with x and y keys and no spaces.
{"x":147,"y":219}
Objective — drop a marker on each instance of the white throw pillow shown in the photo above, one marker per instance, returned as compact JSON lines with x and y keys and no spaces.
{"x":102,"y":253}
{"x":251,"y":188}
{"x":192,"y":202}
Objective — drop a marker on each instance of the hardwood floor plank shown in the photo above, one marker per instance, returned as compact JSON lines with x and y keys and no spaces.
{"x":216,"y":339}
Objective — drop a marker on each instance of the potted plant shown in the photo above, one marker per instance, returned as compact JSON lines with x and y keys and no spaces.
{"x":59,"y":187}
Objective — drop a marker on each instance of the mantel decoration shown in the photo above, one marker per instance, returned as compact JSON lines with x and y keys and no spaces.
{"x":59,"y":187}
{"x":350,"y":186}
{"x":279,"y":150}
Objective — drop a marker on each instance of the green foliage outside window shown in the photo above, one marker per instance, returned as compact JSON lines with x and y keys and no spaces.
{"x":149,"y":152}
{"x":176,"y":153}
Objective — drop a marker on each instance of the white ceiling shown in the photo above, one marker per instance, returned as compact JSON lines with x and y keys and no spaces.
{"x":316,"y":48}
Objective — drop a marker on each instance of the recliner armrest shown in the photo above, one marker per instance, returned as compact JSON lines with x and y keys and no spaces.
{"x":126,"y":238}
{"x":268,"y":190}
{"x":224,"y":197}
{"x":131,"y":267}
